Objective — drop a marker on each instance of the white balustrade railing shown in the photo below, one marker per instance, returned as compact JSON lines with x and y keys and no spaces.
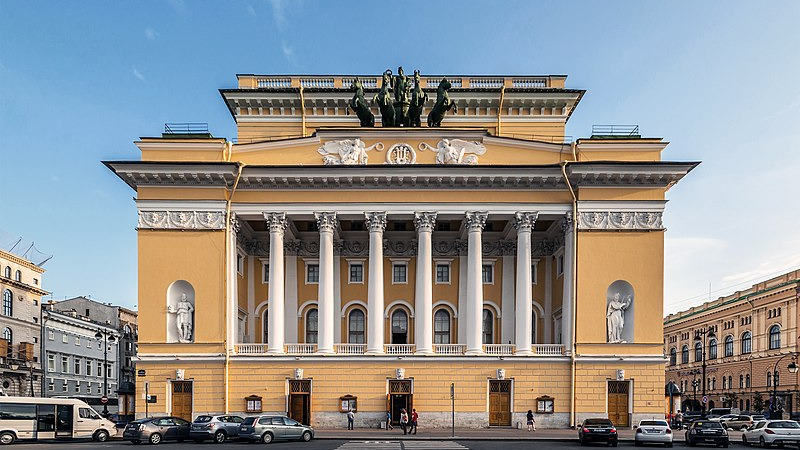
{"x":250,"y":349}
{"x":274,"y":82}
{"x":454,"y":82}
{"x":365,"y":82}
{"x":399,"y":349}
{"x":449,"y":349}
{"x":485,"y":82}
{"x":529,"y":82}
{"x":316,"y":82}
{"x":548,"y":349}
{"x":350,"y":349}
{"x":301,"y":349}
{"x":498,"y":349}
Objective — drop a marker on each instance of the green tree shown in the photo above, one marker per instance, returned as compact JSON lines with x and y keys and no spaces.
{"x":758,"y":402}
{"x":731,"y":398}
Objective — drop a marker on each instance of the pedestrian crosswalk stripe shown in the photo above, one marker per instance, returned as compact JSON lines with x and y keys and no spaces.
{"x":432,"y":445}
{"x":404,"y":445}
{"x":371,"y":445}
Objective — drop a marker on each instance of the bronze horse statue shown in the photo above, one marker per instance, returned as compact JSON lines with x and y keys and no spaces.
{"x":384,"y":101}
{"x":359,"y":105}
{"x":418,"y":99}
{"x":442,"y":105}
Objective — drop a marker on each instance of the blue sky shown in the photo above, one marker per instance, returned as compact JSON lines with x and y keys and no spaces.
{"x":719,"y":80}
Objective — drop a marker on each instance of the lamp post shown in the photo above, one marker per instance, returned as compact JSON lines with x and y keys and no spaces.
{"x":774,"y":412}
{"x":694,"y":393}
{"x":107,"y":337}
{"x":701,"y":336}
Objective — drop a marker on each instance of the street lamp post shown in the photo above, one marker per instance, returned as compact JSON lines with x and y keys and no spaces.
{"x":774,"y":412}
{"x":107,"y":337}
{"x":700,"y":336}
{"x":694,"y":393}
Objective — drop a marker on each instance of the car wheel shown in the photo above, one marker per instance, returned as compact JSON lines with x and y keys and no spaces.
{"x":101,"y":436}
{"x":306,"y":436}
{"x":762,"y":442}
{"x":266,"y":438}
{"x":155,"y":438}
{"x":7,"y":438}
{"x":744,"y":441}
{"x":219,"y":437}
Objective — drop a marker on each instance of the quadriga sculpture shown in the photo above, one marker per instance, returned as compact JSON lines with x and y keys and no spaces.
{"x":359,"y":105}
{"x":418,"y":99}
{"x":442,"y":105}
{"x":384,"y":101}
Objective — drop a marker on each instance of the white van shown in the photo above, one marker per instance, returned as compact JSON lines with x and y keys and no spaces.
{"x":31,"y":418}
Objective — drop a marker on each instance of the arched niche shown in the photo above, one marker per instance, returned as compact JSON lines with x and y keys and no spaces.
{"x":619,"y":312}
{"x":180,"y":312}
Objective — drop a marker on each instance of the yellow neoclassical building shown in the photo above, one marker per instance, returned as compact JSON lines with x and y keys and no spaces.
{"x":318,"y":263}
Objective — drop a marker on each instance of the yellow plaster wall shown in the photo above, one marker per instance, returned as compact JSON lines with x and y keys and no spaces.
{"x":620,"y":194}
{"x":208,"y":388}
{"x":591,"y":386}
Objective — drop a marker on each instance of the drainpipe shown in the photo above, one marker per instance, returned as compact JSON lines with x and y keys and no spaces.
{"x":574,"y":281}
{"x":303,"y":110}
{"x":500,"y":108}
{"x":239,"y":167}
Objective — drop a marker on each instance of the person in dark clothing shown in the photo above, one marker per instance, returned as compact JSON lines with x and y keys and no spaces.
{"x":531,"y":421}
{"x":414,"y":419}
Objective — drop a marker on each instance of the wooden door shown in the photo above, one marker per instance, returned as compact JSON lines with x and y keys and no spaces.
{"x":300,"y":401}
{"x":618,"y":403}
{"x":500,"y":403}
{"x":182,"y":399}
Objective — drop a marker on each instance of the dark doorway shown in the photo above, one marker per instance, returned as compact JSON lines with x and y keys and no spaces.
{"x":399,"y":327}
{"x":400,"y":397}
{"x":64,"y":421}
{"x":300,"y":401}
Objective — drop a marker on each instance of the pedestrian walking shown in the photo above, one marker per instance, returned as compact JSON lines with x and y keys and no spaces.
{"x":531,"y":421}
{"x":351,"y":418}
{"x":404,"y":420}
{"x":389,"y":421}
{"x":414,"y":419}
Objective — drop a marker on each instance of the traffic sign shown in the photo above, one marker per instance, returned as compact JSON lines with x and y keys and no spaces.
{"x":104,"y":399}
{"x":705,"y":399}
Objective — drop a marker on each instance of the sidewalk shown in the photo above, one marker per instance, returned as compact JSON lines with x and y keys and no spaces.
{"x":474,"y":434}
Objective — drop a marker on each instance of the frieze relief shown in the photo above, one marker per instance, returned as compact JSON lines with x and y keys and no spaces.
{"x":619,"y":220}
{"x":455,"y":151}
{"x":346,"y":152}
{"x":181,"y":220}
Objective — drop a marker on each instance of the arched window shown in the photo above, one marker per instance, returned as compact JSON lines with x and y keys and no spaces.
{"x":747,"y":342}
{"x":312,"y":326}
{"x":7,"y":272}
{"x":534,"y":320}
{"x":774,"y":337}
{"x":18,"y":276}
{"x":769,"y":379}
{"x":685,"y":354}
{"x":729,"y":345}
{"x":724,"y":383}
{"x":730,"y":382}
{"x":673,"y":356}
{"x":698,"y":351}
{"x":741,"y":381}
{"x":355,"y":327}
{"x":8,"y":336}
{"x":8,"y":304}
{"x":399,"y":327}
{"x":747,"y":380}
{"x":712,"y":349}
{"x":441,"y":327}
{"x":266,"y":326}
{"x":488,"y":327}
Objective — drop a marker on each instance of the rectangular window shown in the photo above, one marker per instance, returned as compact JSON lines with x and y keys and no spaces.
{"x":51,"y":363}
{"x":240,"y":264}
{"x":535,"y":272}
{"x":109,"y":371}
{"x":488,"y":274}
{"x":88,"y":343}
{"x":99,"y":368}
{"x":265,"y":273}
{"x":51,"y":335}
{"x":77,"y":340}
{"x":65,"y":364}
{"x":312,"y":273}
{"x":560,"y":265}
{"x":78,"y":364}
{"x":50,"y":385}
{"x":357,"y":273}
{"x":443,"y":273}
{"x":399,"y":273}
{"x":89,"y":367}
{"x":64,"y":386}
{"x":64,"y":338}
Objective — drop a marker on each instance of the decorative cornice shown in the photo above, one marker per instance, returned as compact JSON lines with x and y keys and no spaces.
{"x":354,"y":248}
{"x":326,"y":221}
{"x":399,"y":248}
{"x":445,"y":248}
{"x":276,"y":222}
{"x":476,"y":220}
{"x":181,"y":220}
{"x":425,"y":221}
{"x":376,"y":221}
{"x":620,"y":220}
{"x":524,"y":221}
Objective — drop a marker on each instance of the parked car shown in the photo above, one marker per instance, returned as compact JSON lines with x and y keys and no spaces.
{"x":727,"y":417}
{"x":597,"y":430}
{"x":274,"y":428}
{"x":653,"y":431}
{"x":706,"y":432}
{"x":720,"y":411}
{"x":157,"y":429}
{"x":772,"y":432}
{"x":741,"y":422}
{"x":216,"y":428}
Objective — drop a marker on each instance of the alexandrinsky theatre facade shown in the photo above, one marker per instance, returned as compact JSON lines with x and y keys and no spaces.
{"x":319,"y":263}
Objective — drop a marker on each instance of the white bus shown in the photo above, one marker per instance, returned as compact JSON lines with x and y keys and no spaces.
{"x":31,"y":418}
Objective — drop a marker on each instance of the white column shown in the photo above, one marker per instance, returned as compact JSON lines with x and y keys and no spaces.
{"x":566,"y":302}
{"x":508,"y":280}
{"x":423,"y":294}
{"x":326,"y":221}
{"x":277,"y":226}
{"x":475,"y":221}
{"x":376,"y":221}
{"x":232,"y":303}
{"x":548,"y":300}
{"x":251,"y":296}
{"x":523,"y":222}
{"x":290,"y":291}
{"x":462,"y":293}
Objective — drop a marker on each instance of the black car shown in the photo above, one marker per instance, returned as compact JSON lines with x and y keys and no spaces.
{"x":597,"y":430}
{"x":707,"y":432}
{"x":157,"y":429}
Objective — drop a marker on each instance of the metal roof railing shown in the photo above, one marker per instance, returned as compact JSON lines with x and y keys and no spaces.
{"x":186,"y":128}
{"x":615,"y":131}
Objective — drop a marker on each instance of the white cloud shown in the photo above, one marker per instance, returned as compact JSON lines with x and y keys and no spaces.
{"x":150,"y":33}
{"x":251,"y":10}
{"x":138,"y":74}
{"x":278,"y":13}
{"x":178,"y":5}
{"x":288,"y":52}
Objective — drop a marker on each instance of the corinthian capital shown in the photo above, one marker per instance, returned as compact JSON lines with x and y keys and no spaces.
{"x":276,"y":222}
{"x":476,"y":220}
{"x":376,"y":221}
{"x":524,"y":221}
{"x":326,"y":221}
{"x":424,"y":221}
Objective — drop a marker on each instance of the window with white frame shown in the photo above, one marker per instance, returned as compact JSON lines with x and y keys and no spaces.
{"x":399,"y":272}
{"x":99,"y":368}
{"x":64,"y":338}
{"x":560,"y":264}
{"x":442,"y":273}
{"x":77,"y":340}
{"x":356,"y":272}
{"x":64,"y":386}
{"x":65,"y":364}
{"x":51,"y":335}
{"x":312,"y":273}
{"x":89,"y":367}
{"x":110,"y":370}
{"x":50,"y":384}
{"x":487,"y":272}
{"x":264,"y":272}
{"x":51,"y":363}
{"x":78,"y":364}
{"x":240,"y":264}
{"x":535,"y":272}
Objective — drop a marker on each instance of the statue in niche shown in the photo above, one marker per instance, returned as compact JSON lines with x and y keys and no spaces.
{"x":615,"y":317}
{"x":442,"y":105}
{"x":384,"y":101}
{"x":359,"y":105}
{"x":418,"y":99}
{"x":184,"y":312}
{"x":402,"y":94}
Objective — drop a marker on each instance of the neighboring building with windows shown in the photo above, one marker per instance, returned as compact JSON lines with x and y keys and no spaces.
{"x":752,"y":329}
{"x":74,"y":357}
{"x":20,"y":330}
{"x":316,"y":265}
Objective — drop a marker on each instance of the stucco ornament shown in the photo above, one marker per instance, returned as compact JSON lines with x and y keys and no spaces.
{"x":183,"y":318}
{"x":401,"y":154}
{"x":615,"y":316}
{"x":346,"y":152}
{"x":456,"y":151}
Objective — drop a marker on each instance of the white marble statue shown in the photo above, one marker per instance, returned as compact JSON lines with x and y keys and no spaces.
{"x":346,"y":152}
{"x":456,"y":151}
{"x":183,"y":320}
{"x":615,"y":317}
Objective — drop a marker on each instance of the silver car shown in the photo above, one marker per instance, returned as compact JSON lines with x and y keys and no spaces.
{"x":653,"y":432}
{"x":217,"y":428}
{"x":766,"y":433}
{"x":274,"y":428}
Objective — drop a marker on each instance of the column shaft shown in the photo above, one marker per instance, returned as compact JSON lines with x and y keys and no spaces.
{"x":275,"y":337}
{"x":474,"y":323}
{"x":523,"y":325}
{"x":376,"y":221}
{"x":327,"y":224}
{"x":423,"y":294}
{"x":566,"y":302}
